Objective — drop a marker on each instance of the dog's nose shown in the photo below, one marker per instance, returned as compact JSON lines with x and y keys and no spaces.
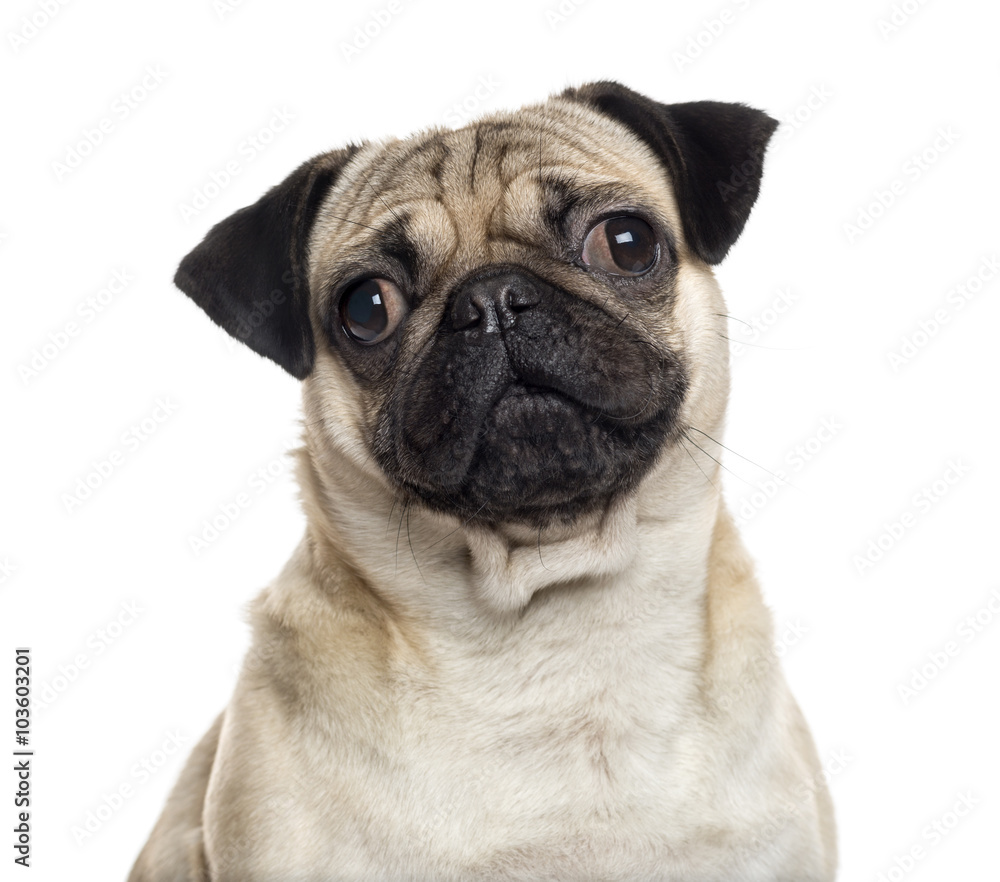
{"x":492,"y":303}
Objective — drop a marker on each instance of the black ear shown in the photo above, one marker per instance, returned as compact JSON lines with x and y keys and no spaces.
{"x":714,"y":152}
{"x":249,"y":272}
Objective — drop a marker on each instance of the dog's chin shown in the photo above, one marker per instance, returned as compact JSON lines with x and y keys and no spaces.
{"x":540,"y":459}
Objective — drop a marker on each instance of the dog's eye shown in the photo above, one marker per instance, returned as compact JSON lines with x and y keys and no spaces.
{"x":371,"y":310}
{"x":624,"y":246}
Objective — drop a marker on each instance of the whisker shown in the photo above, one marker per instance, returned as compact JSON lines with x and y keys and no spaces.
{"x":389,"y":519}
{"x":539,"y":545}
{"x":721,"y":465}
{"x":461,"y":526}
{"x":347,"y":220}
{"x":632,"y":416}
{"x":741,"y":456}
{"x":760,"y":346}
{"x":412,"y":552}
{"x":378,"y":195}
{"x":698,"y":464}
{"x":399,"y":531}
{"x":733,"y":317}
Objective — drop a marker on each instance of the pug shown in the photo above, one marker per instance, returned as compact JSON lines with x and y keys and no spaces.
{"x":521,"y":638}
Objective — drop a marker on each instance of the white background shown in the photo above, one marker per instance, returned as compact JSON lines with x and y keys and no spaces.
{"x":853,"y":629}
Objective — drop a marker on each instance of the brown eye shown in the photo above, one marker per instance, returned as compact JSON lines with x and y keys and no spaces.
{"x":371,"y":310}
{"x":624,"y":246}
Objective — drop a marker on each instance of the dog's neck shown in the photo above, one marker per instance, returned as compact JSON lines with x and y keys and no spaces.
{"x":438,"y":569}
{"x":611,"y":619}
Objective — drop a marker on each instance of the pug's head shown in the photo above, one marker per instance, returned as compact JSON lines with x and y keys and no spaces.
{"x":509,"y":322}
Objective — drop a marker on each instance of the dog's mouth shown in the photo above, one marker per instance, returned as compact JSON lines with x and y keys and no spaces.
{"x":553,"y":415}
{"x":532,"y":412}
{"x":539,"y":450}
{"x":538,"y":436}
{"x":535,"y":455}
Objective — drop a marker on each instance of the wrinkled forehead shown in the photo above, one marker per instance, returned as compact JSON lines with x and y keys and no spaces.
{"x":464,"y":196}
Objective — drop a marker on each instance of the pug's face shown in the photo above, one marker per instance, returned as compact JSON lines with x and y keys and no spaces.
{"x":508,"y":322}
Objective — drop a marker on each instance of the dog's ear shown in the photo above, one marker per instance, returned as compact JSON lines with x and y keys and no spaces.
{"x":249,"y":272}
{"x":714,"y":152}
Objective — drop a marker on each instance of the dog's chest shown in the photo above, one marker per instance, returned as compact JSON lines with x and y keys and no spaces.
{"x":543,"y":783}
{"x":576,"y":749}
{"x":562,"y":757}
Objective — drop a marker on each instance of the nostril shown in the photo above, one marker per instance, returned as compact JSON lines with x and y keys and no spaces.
{"x":466,"y":314}
{"x":521,"y":297}
{"x":491,"y":303}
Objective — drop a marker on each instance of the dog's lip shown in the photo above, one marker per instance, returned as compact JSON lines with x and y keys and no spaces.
{"x":523,"y":389}
{"x":517,"y":405}
{"x":519,"y":392}
{"x":520,"y":388}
